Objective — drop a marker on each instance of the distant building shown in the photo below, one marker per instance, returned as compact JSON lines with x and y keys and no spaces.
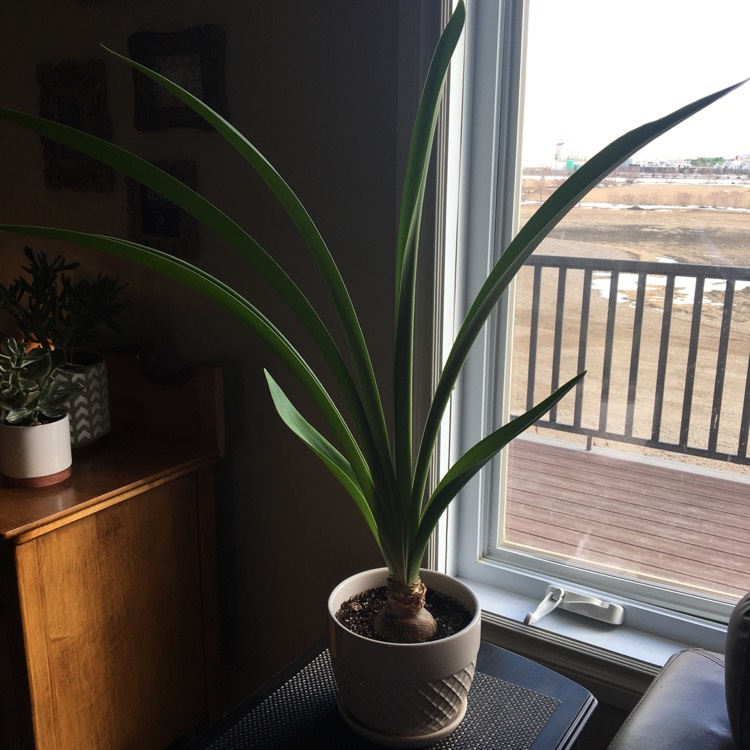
{"x":567,"y":159}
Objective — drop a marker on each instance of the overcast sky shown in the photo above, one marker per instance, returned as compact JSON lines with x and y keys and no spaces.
{"x":597,"y":68}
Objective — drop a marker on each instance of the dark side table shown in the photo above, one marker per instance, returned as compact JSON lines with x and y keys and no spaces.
{"x":514,"y":704}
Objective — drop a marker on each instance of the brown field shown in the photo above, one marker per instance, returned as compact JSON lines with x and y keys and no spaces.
{"x":707,"y":235}
{"x":718,"y":194}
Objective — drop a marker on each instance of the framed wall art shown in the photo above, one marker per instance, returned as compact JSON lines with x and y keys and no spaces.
{"x":193,"y":58}
{"x":75,"y":94}
{"x":157,"y":222}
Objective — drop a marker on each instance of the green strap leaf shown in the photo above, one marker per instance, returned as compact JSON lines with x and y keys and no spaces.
{"x":475,"y":459}
{"x":327,"y":453}
{"x":420,"y":150}
{"x":369,"y":393}
{"x":376,"y":516}
{"x":526,"y":241}
{"x":423,"y":136}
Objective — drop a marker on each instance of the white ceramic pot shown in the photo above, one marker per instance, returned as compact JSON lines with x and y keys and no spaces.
{"x":403,"y":695}
{"x":35,"y":456}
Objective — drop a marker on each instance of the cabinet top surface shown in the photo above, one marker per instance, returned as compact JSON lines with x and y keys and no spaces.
{"x":112,"y":466}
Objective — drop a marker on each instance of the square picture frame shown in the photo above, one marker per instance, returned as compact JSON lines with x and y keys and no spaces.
{"x":193,"y":58}
{"x":157,"y":222}
{"x":75,"y":94}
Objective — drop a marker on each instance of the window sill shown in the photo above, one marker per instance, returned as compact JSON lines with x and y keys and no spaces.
{"x":616,"y":662}
{"x":628,"y":642}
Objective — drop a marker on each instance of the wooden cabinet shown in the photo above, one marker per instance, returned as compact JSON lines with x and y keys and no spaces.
{"x":108,"y":623}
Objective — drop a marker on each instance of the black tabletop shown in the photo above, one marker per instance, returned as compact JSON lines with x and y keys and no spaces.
{"x":514,"y":704}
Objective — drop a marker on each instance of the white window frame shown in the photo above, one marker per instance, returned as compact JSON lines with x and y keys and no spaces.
{"x":484,"y":162}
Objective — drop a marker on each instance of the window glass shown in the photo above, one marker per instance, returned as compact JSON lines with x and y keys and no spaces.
{"x":643,"y":474}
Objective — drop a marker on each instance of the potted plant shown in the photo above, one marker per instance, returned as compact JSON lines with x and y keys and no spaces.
{"x":372,"y":456}
{"x":56,"y":312}
{"x":35,"y":448}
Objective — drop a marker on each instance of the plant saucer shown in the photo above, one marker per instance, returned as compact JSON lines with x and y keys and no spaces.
{"x":388,"y":740}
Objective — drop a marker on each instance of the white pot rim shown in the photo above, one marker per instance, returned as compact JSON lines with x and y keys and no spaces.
{"x":385,"y":660}
{"x":30,"y":426}
{"x":376,"y":577}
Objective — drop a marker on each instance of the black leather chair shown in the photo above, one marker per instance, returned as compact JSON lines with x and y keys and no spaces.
{"x":699,"y":701}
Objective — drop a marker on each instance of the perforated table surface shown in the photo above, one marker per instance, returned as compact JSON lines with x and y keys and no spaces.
{"x":514,"y":704}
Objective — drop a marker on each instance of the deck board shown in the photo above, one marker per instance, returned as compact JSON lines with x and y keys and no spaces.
{"x":659,"y":522}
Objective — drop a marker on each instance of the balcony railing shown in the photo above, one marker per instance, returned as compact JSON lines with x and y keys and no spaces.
{"x":715,"y":349}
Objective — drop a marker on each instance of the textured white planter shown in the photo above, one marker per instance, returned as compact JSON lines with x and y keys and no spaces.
{"x":403,"y":695}
{"x":35,"y":456}
{"x":89,"y":409}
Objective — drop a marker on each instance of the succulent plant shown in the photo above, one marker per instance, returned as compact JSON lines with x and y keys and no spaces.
{"x":55,"y":311}
{"x":31,"y":391}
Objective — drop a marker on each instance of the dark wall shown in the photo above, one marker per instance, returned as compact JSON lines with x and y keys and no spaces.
{"x":321,"y":88}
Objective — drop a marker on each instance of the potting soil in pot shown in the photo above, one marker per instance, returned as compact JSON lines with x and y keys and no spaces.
{"x":358,"y":613}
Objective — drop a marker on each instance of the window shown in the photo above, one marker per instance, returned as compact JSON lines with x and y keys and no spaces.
{"x":635,"y":488}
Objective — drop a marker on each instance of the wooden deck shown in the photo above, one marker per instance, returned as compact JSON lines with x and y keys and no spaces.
{"x":684,"y":527}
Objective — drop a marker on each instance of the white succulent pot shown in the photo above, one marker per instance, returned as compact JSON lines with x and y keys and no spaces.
{"x":89,"y":408}
{"x":403,"y":694}
{"x":37,"y":455}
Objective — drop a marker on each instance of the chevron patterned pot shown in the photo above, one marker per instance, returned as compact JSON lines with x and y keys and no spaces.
{"x":89,"y":409}
{"x":403,"y":694}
